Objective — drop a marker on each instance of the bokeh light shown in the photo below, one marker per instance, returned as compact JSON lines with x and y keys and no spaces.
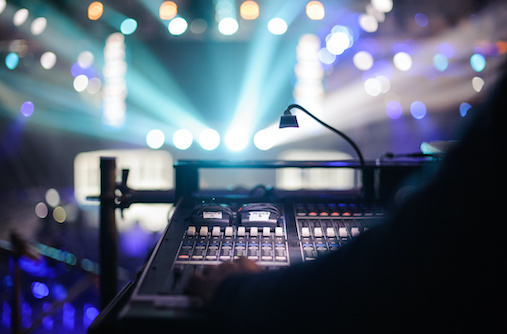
{"x":440,"y":62}
{"x":48,"y":60}
{"x":80,"y":83}
{"x":394,"y":109}
{"x":383,"y":6}
{"x":236,"y":140}
{"x":421,"y":19}
{"x":155,"y":139}
{"x":402,"y":61}
{"x":39,"y":290}
{"x":209,"y":139}
{"x":95,"y":10}
{"x":368,"y":23}
{"x":168,"y":10}
{"x":464,"y":108}
{"x":418,"y":109}
{"x":177,"y":26}
{"x":11,"y":60}
{"x":20,"y":16}
{"x":228,"y":26}
{"x":27,"y":108}
{"x":315,"y":10}
{"x":477,"y":84}
{"x":363,"y":60}
{"x":277,"y":26}
{"x":478,"y":62}
{"x":263,"y":140}
{"x":41,"y":210}
{"x":182,"y":139}
{"x":128,"y":26}
{"x":38,"y":26}
{"x":339,"y":40}
{"x":59,"y":214}
{"x":52,"y":197}
{"x":249,"y":10}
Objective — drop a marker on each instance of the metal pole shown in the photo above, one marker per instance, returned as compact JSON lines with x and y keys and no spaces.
{"x":108,"y":243}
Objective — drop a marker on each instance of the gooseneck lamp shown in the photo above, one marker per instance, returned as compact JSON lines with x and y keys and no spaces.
{"x":289,"y":121}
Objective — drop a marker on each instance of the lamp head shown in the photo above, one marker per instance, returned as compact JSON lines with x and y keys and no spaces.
{"x":288,"y":120}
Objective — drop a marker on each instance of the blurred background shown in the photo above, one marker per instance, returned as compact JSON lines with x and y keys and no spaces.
{"x":152,"y":82}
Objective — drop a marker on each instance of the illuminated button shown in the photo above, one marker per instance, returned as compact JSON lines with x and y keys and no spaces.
{"x":241,"y":231}
{"x":317,"y":232}
{"x":266,"y":231}
{"x":216,"y":231}
{"x":254,"y":231}
{"x":342,"y":232}
{"x":228,"y":231}
{"x":330,"y":232}
{"x":203,"y":231}
{"x":354,"y":231}
{"x":305,"y":232}
{"x":278,"y":232}
{"x":191,"y":231}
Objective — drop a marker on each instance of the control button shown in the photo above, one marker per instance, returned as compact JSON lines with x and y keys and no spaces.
{"x":354,"y":231}
{"x":330,"y":232}
{"x":342,"y":232}
{"x":228,"y":231}
{"x":241,"y":231}
{"x":266,"y":231}
{"x":305,"y":232}
{"x":278,"y":232}
{"x":317,"y":232}
{"x":203,"y":231}
{"x":191,"y":231}
{"x":254,"y":231}
{"x":216,"y":231}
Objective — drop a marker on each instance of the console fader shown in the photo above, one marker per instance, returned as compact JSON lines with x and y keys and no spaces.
{"x":274,"y":235}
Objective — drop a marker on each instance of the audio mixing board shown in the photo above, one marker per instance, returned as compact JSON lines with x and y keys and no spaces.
{"x":274,"y":235}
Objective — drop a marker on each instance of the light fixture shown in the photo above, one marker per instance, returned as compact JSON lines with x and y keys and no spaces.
{"x":288,"y":120}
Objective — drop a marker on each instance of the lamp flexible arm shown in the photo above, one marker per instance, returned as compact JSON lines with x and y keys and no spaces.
{"x":341,"y":134}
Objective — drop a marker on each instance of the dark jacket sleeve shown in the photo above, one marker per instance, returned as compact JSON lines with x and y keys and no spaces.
{"x":437,"y":264}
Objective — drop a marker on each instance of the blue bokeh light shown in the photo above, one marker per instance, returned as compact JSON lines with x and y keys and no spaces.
{"x":418,"y":109}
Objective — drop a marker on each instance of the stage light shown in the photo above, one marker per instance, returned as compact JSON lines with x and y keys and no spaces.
{"x":38,"y":26}
{"x":477,"y":84}
{"x":418,"y":109}
{"x":249,"y":10}
{"x":95,"y":10}
{"x":236,"y":140}
{"x":168,"y":10}
{"x":315,"y":10}
{"x":209,"y":139}
{"x":263,"y":140}
{"x":128,"y":26}
{"x":182,"y":139}
{"x":48,"y":60}
{"x":277,"y":26}
{"x":177,"y":26}
{"x":478,"y":62}
{"x":228,"y":26}
{"x":363,"y":60}
{"x":27,"y":108}
{"x":402,"y":61}
{"x":20,"y":17}
{"x":155,"y":139}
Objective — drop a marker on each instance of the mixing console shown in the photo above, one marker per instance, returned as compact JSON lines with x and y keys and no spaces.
{"x":274,"y":235}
